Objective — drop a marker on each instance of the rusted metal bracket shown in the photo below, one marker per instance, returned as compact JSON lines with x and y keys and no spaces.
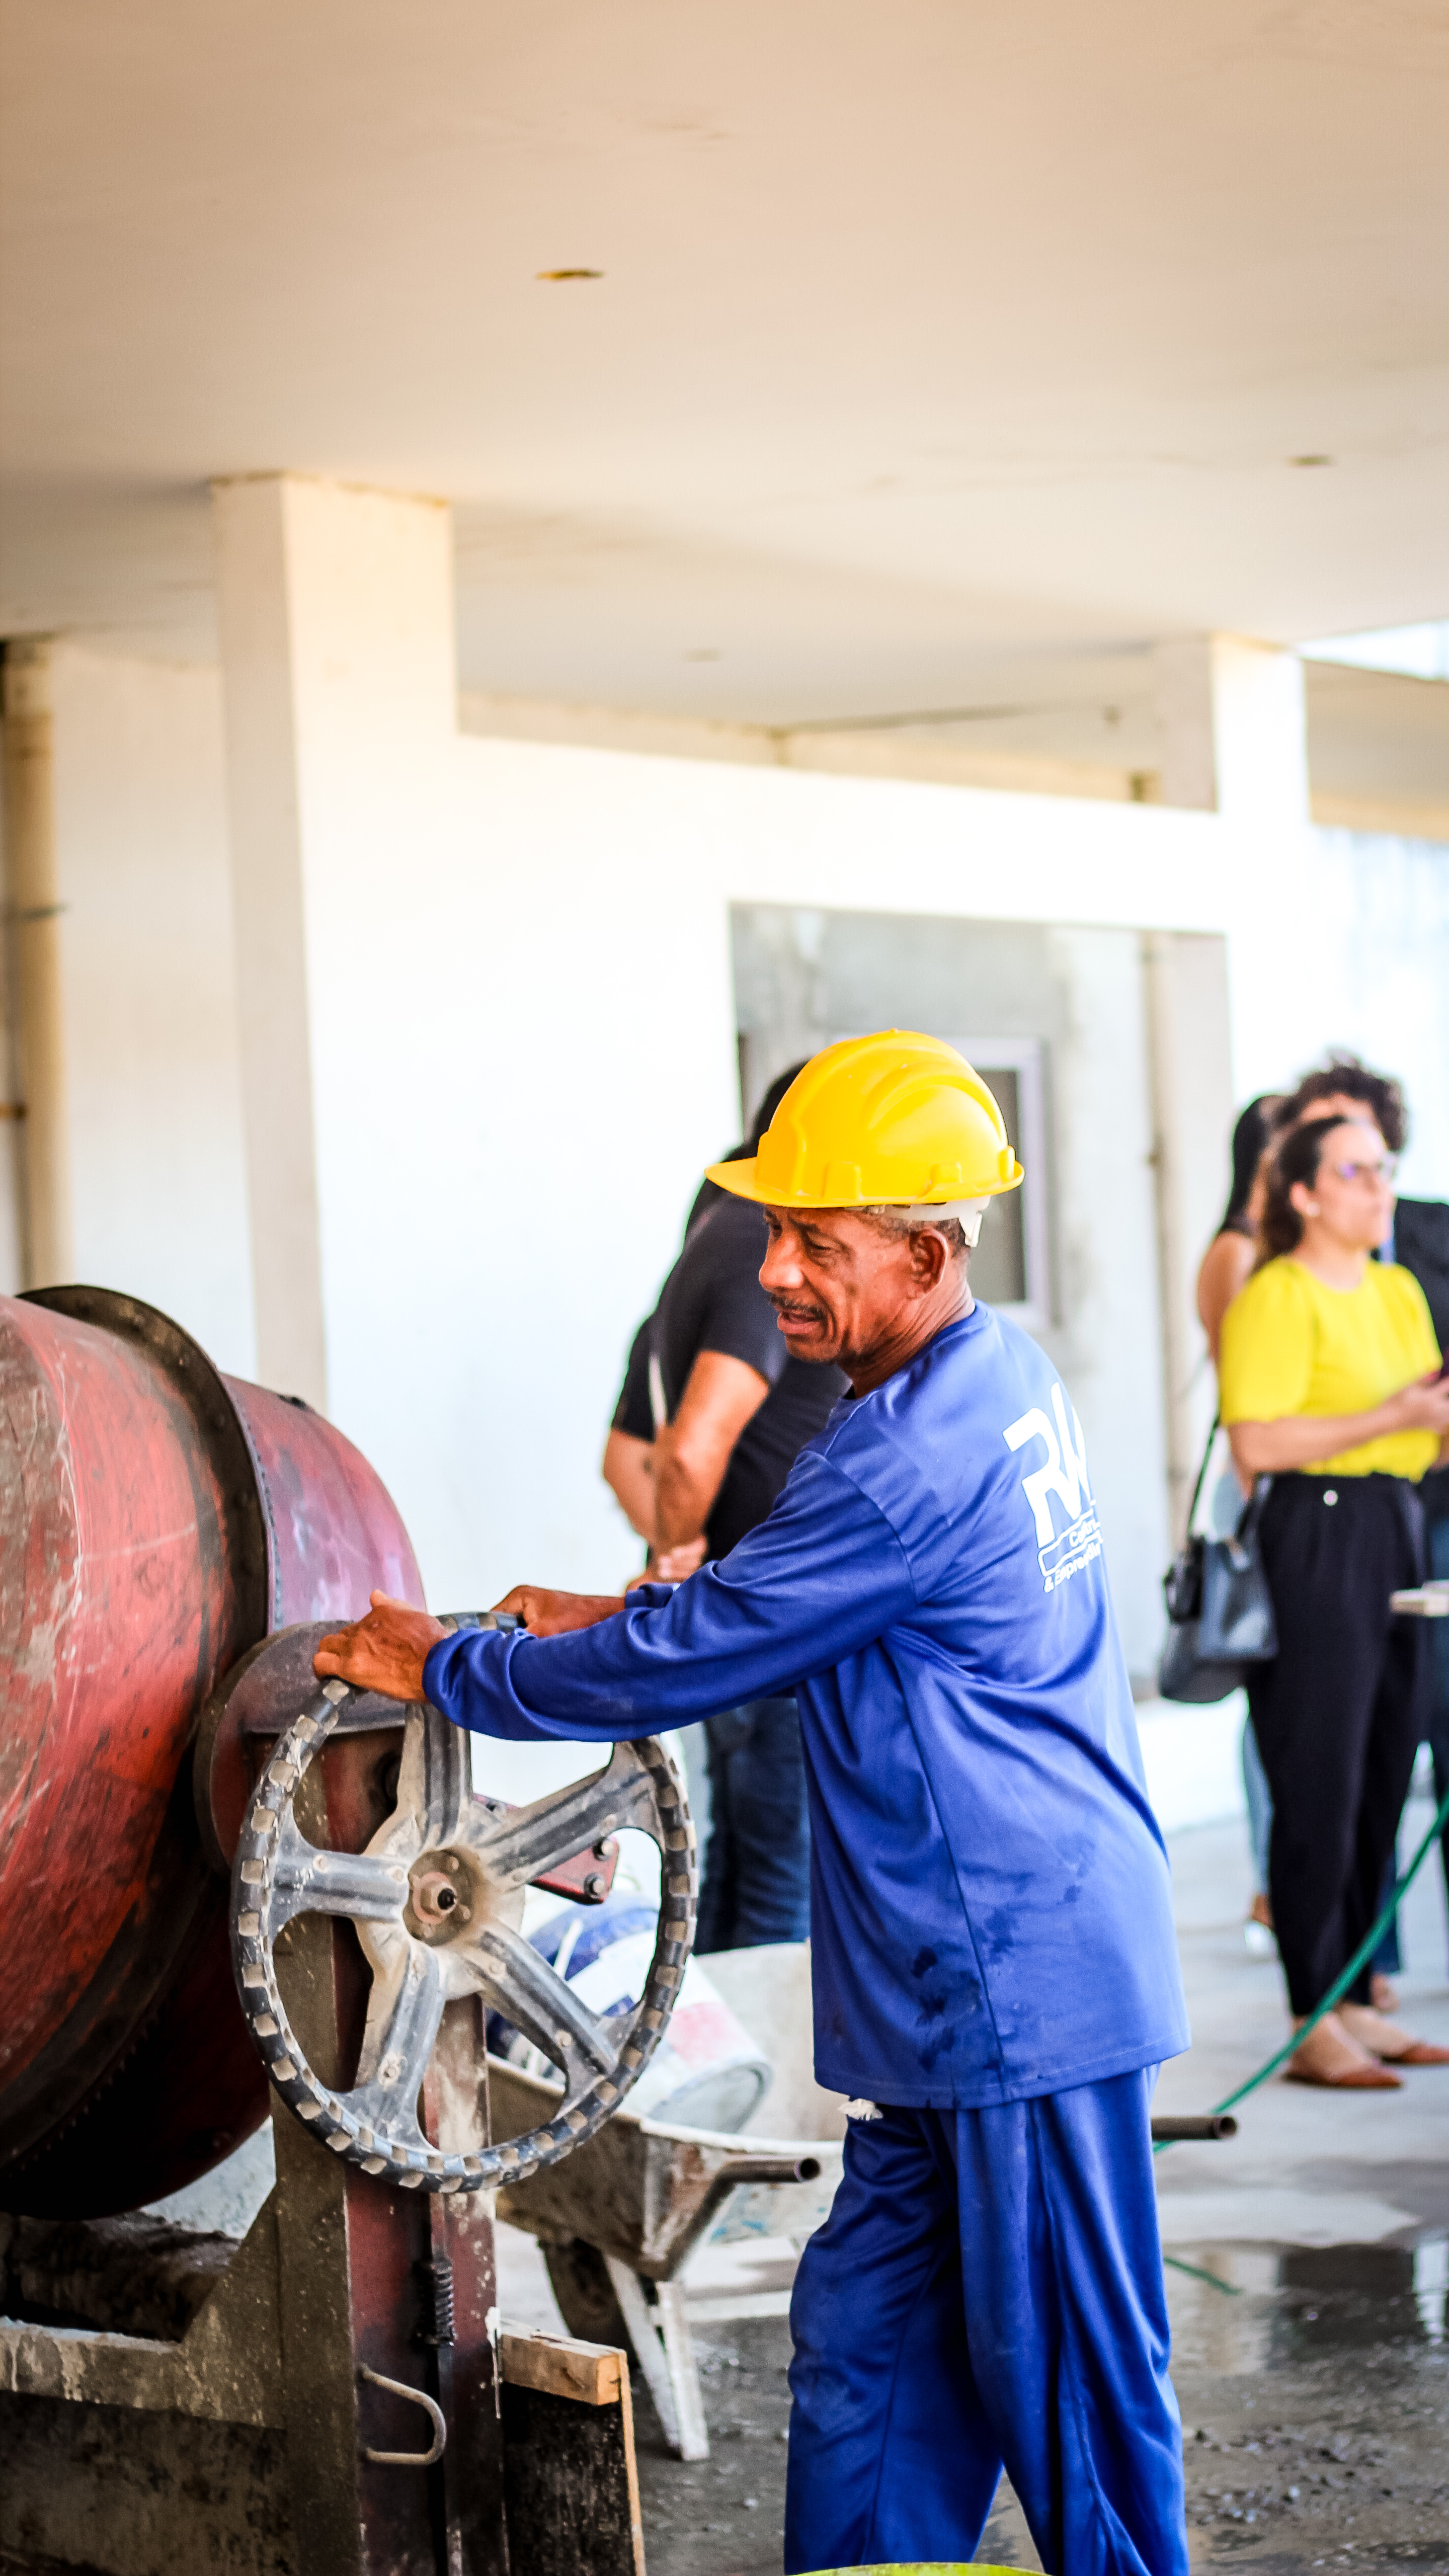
{"x":414,"y":2397}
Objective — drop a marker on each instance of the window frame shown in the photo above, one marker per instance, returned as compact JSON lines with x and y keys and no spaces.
{"x":1025,"y":1057}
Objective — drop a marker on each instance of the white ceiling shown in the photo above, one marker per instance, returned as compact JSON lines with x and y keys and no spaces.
{"x":930,"y":341}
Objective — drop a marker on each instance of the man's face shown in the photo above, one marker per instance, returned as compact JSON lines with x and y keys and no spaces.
{"x":840,"y":1288}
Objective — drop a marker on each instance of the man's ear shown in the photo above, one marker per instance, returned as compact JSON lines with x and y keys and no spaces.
{"x":929,"y":1256}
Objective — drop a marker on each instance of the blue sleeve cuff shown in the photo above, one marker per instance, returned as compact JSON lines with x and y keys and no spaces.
{"x":435,"y":1670}
{"x":651,"y":1596}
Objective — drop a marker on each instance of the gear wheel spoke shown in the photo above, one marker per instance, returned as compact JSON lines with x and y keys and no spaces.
{"x":402,"y":2025}
{"x":523,"y":1986}
{"x":526,"y":1841}
{"x":309,"y":1881}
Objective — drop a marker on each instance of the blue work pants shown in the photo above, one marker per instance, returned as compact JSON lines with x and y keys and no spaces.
{"x":757,"y":1861}
{"x":988,"y":2289}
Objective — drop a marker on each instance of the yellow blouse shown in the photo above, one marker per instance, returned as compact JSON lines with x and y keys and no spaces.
{"x":1292,"y":1346}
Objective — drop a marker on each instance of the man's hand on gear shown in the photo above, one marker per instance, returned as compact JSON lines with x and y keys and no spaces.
{"x":384,"y":1652}
{"x":387,"y":1650}
{"x":553,"y":1614}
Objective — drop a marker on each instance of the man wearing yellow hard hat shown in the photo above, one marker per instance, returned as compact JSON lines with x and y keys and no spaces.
{"x":995,"y":1973}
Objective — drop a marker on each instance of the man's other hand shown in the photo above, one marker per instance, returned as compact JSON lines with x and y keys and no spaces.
{"x":676,"y":1564}
{"x":384,"y":1652}
{"x":553,"y":1614}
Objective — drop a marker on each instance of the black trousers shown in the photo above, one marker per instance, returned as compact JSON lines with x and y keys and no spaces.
{"x":1339,"y":1713}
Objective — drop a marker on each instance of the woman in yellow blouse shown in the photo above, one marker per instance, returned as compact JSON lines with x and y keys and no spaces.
{"x":1329,"y":1384}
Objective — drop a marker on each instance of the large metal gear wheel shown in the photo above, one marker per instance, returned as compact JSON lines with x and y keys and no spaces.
{"x":436,"y":1899}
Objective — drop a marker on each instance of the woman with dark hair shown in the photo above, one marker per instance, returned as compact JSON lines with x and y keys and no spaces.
{"x":1330,"y":1385}
{"x":1228,"y":1261}
{"x":1227,"y":1265}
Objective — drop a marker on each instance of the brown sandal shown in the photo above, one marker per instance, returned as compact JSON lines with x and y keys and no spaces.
{"x":1354,"y":2079}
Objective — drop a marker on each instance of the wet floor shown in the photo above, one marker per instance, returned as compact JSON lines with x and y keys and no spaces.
{"x":1316,"y":2406}
{"x":1314,"y":2386}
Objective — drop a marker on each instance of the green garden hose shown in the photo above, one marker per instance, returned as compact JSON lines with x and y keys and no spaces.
{"x":1336,"y":1992}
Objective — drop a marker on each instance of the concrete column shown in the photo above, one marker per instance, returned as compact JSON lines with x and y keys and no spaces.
{"x":1232,"y":740}
{"x":337,"y":661}
{"x":1232,"y":737}
{"x":32,"y":919}
{"x":1190,"y":1055}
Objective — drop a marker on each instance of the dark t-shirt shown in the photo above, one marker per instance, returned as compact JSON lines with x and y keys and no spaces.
{"x":634,"y":1411}
{"x":712,"y":1301}
{"x":1421,"y":1243}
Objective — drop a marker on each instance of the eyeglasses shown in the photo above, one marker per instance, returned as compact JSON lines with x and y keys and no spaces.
{"x":1369,"y":1176}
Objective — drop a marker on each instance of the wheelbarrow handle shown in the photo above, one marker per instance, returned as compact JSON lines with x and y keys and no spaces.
{"x":773,"y":2169}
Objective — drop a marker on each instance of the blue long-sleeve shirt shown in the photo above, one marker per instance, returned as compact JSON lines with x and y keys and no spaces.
{"x":990,"y":1901}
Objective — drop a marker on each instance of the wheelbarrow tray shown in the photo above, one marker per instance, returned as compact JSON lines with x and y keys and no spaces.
{"x":646,"y":2191}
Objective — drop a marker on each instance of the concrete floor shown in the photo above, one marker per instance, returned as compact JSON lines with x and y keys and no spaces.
{"x":1312,"y":2366}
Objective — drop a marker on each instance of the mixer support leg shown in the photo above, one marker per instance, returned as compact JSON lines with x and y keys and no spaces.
{"x":353,"y":2276}
{"x":462,"y":2229}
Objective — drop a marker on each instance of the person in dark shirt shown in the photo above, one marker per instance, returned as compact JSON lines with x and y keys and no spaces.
{"x":728,"y":1409}
{"x":628,"y":1467}
{"x":739,"y":1409}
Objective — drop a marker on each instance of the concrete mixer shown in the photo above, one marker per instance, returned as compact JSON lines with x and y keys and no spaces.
{"x":225,"y":1888}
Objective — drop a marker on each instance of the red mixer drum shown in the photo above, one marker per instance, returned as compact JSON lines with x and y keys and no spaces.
{"x":156,"y":1520}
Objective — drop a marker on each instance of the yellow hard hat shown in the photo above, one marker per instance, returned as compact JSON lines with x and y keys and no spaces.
{"x":894,"y":1120}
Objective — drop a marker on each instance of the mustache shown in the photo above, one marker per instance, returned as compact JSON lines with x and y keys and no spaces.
{"x":800,"y":1310}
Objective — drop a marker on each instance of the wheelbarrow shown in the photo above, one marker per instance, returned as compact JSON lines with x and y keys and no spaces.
{"x":620,"y":2217}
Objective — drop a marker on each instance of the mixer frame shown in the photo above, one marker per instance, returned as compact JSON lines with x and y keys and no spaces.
{"x":337,"y":2397}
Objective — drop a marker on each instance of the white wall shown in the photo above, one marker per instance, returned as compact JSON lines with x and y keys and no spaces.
{"x":553,"y":1060}
{"x":154,"y":1103}
{"x":528,"y":1051}
{"x":556,"y":1023}
{"x":1374,"y":976}
{"x":1344,"y":939}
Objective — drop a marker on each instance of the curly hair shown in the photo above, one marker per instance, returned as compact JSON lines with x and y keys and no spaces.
{"x":1297,"y":1159}
{"x":1346,"y":1076}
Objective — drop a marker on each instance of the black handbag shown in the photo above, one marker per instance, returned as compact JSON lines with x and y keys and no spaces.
{"x":1219,"y":1609}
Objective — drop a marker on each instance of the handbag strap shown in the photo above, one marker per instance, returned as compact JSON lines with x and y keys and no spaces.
{"x":1201,"y":1475}
{"x":1252,"y":1511}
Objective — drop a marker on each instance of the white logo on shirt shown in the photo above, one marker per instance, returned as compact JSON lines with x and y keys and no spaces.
{"x":1060,"y":1553}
